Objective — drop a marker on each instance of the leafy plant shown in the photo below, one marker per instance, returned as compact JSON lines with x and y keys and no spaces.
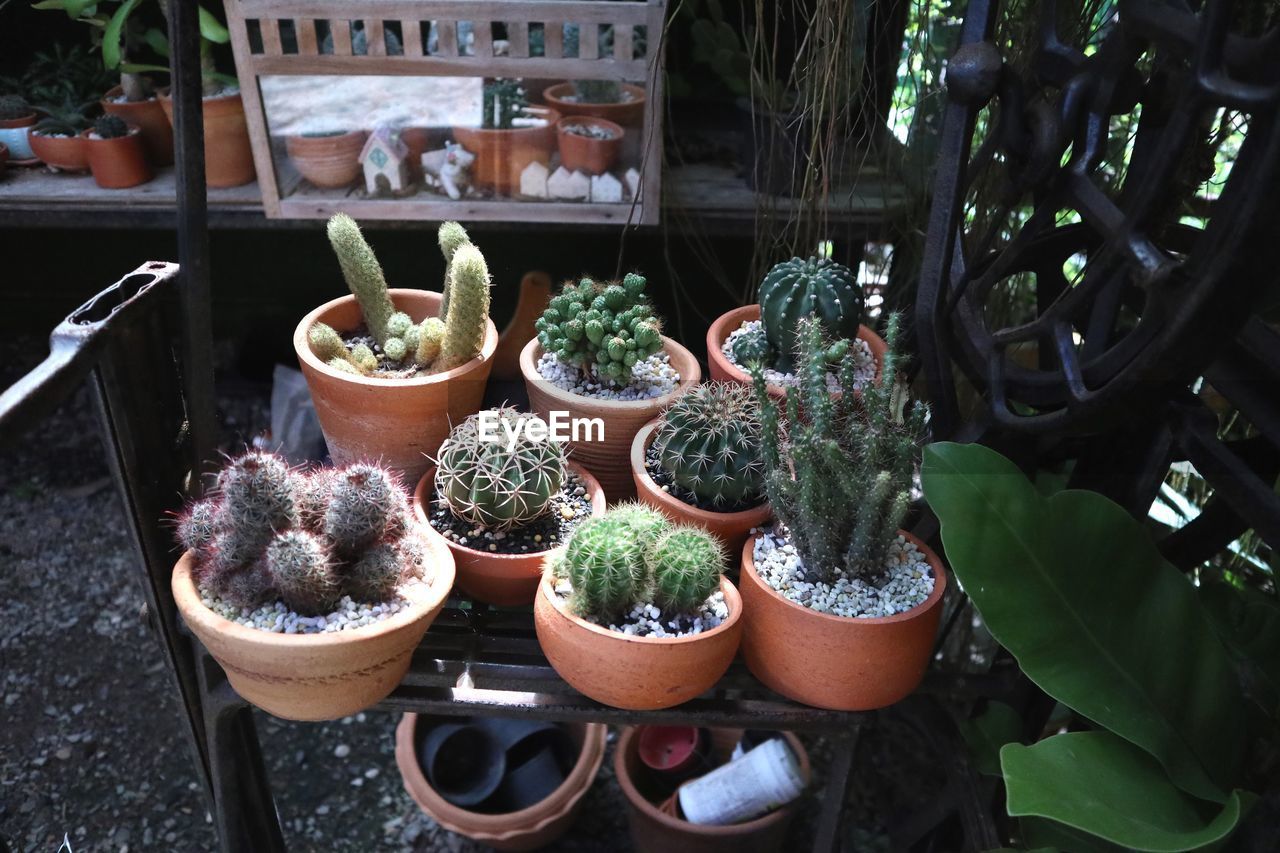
{"x":709,"y":440}
{"x":610,"y":326}
{"x":61,"y":77}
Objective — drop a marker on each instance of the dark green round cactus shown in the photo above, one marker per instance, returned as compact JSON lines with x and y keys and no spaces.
{"x":604,"y":561}
{"x":817,"y":287}
{"x":302,"y":572}
{"x":710,"y":442}
{"x":752,"y":347}
{"x":610,"y":326}
{"x":685,"y":564}
{"x":110,"y":127}
{"x":645,"y":521}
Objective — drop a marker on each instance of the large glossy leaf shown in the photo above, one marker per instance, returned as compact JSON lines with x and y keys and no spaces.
{"x":1104,"y":785}
{"x":1075,"y":590}
{"x":114,"y":34}
{"x":1042,"y":832}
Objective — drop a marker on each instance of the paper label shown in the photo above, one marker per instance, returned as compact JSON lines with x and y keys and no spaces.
{"x":761,"y":780}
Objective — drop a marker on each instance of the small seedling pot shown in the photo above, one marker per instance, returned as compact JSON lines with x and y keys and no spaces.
{"x":15,"y":135}
{"x":228,"y":156}
{"x":628,"y":113}
{"x":149,"y":117}
{"x":837,"y":662}
{"x":117,"y":163}
{"x":586,"y":154}
{"x":502,"y":155}
{"x":464,"y":763}
{"x":65,"y":153}
{"x":329,"y":162}
{"x":671,"y":750}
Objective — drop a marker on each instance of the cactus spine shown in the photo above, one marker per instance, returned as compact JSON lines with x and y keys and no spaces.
{"x":709,"y":440}
{"x":817,"y":287}
{"x":685,"y":564}
{"x":464,"y":328}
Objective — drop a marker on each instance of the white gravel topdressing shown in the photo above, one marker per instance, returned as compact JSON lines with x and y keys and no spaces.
{"x":279,"y":619}
{"x":910,"y":580}
{"x":864,"y":362}
{"x":645,"y":619}
{"x":651,"y":378}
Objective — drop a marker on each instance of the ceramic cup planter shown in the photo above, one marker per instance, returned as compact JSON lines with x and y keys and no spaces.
{"x":149,"y":116}
{"x":14,"y":135}
{"x":505,"y":580}
{"x":501,"y":155}
{"x":837,"y":662}
{"x":589,"y":154}
{"x":398,"y":422}
{"x":316,"y":676}
{"x":654,"y":830}
{"x":630,"y":672}
{"x":228,"y":157}
{"x":117,"y":163}
{"x":526,"y":829}
{"x":65,"y":153}
{"x":329,"y":161}
{"x":726,"y":324}
{"x":731,"y":528}
{"x":609,"y":460}
{"x":628,"y":113}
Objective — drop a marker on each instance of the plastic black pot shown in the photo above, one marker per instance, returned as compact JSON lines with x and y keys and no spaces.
{"x":463,"y":762}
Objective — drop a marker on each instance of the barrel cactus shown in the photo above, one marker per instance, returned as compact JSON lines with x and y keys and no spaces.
{"x":608,"y":326}
{"x":709,"y":440}
{"x":685,"y":564}
{"x":817,"y":287}
{"x":498,"y":484}
{"x":605,"y":562}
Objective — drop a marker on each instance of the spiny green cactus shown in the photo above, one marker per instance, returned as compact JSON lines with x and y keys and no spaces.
{"x":312,"y":495}
{"x":374,"y":576}
{"x":110,"y":127}
{"x":798,"y":288}
{"x":490,"y":483}
{"x":14,"y":107}
{"x":752,"y":346}
{"x":430,"y":337}
{"x":361,"y":506}
{"x":504,"y":101}
{"x":645,"y":521}
{"x":302,"y":572}
{"x":363,"y":274}
{"x":709,"y":441}
{"x":685,"y":564}
{"x":465,"y":327}
{"x":604,"y":561}
{"x":329,"y":347}
{"x":450,"y":236}
{"x":609,"y":326}
{"x":257,"y":492}
{"x":598,"y":91}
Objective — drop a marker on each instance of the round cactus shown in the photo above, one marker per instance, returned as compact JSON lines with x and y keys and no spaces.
{"x":752,"y":347}
{"x":302,"y":572}
{"x":361,"y":507}
{"x":493,"y":483}
{"x":248,"y":587}
{"x":375,"y":575}
{"x":257,"y":492}
{"x":609,"y":326}
{"x":645,"y":521}
{"x":604,"y":561}
{"x":817,"y":287}
{"x":710,"y":442}
{"x":685,"y":564}
{"x":314,"y":489}
{"x":197,"y":526}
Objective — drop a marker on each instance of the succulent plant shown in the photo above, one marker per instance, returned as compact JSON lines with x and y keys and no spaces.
{"x":610,"y":326}
{"x":504,"y":101}
{"x":450,"y":236}
{"x":495,"y":484}
{"x":465,"y":325}
{"x":363,"y":502}
{"x":597,"y":91}
{"x":685,"y":564}
{"x":605,"y":562}
{"x":818,"y":287}
{"x":110,"y":127}
{"x":709,"y":441}
{"x":363,"y":274}
{"x":302,"y":572}
{"x":14,"y":107}
{"x":646,"y":521}
{"x":753,"y":346}
{"x":257,"y":491}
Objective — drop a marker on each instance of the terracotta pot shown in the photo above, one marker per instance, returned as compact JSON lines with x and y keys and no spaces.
{"x":628,"y":113}
{"x":609,"y":460}
{"x":14,"y":134}
{"x":837,"y":662}
{"x":584,"y":154}
{"x":228,"y":156}
{"x":316,"y":676}
{"x":726,"y":324}
{"x":655,"y":830}
{"x":327,"y":161}
{"x":506,"y":580}
{"x":417,"y":140}
{"x":396,"y":421}
{"x":527,"y":829}
{"x":66,"y":153}
{"x":501,"y":155}
{"x":629,"y":672}
{"x":117,"y":163}
{"x":150,"y":117}
{"x":4,"y":158}
{"x":731,"y":528}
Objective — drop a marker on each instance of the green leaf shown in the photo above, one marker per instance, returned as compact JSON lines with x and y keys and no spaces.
{"x":1249,"y":623}
{"x":113,"y":34}
{"x":1104,"y":785}
{"x":1039,"y":832}
{"x":157,"y":41}
{"x":1074,"y":589}
{"x":211,"y":29}
{"x":997,"y":725}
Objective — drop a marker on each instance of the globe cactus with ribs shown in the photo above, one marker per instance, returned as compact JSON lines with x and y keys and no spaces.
{"x":709,"y":441}
{"x":817,"y":287}
{"x":602,"y":327}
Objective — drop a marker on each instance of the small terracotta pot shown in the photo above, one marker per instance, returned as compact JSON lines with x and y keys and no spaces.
{"x":726,"y":324}
{"x":398,"y":422}
{"x":656,"y":830}
{"x":837,"y":662}
{"x":327,"y":161}
{"x":228,"y":156}
{"x":117,"y":163}
{"x":316,"y":676}
{"x":584,"y":154}
{"x":628,"y":114}
{"x":609,"y":460}
{"x":731,"y":528}
{"x":66,"y":153}
{"x":149,"y":116}
{"x":527,"y":829}
{"x":15,"y":135}
{"x":506,"y":580}
{"x":501,"y":155}
{"x":629,"y":672}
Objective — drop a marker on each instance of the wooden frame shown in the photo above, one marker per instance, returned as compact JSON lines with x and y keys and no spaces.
{"x":256,"y":27}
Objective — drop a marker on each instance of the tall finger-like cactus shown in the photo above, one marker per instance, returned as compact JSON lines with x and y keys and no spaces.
{"x":466,"y":324}
{"x":685,"y":564}
{"x":450,"y":236}
{"x":363,"y":273}
{"x":709,"y":441}
{"x":606,"y":326}
{"x":799,"y":288}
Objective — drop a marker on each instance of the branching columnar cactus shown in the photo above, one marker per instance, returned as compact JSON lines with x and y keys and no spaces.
{"x":465,"y":327}
{"x":610,"y":326}
{"x":817,"y":287}
{"x":492,"y":483}
{"x":685,"y":565}
{"x":504,"y":101}
{"x":709,"y":441}
{"x":838,"y":469}
{"x":306,"y":538}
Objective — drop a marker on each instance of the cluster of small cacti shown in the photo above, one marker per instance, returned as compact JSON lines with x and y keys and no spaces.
{"x":819,"y":288}
{"x":633,"y":554}
{"x":597,"y":91}
{"x":504,"y":101}
{"x":709,"y":440}
{"x":305,"y":538}
{"x":434,"y":345}
{"x":14,"y":107}
{"x":611,"y":326}
{"x":839,"y":468}
{"x":110,"y":126}
{"x":495,"y":483}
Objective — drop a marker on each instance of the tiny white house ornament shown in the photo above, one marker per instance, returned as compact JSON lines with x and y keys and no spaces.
{"x":386,"y":167}
{"x":632,"y":177}
{"x":606,"y":188}
{"x":571,"y":186}
{"x":533,"y":180}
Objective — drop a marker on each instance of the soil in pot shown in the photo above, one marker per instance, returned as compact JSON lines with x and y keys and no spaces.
{"x":589,"y":145}
{"x":327,"y":160}
{"x":117,"y":163}
{"x":228,"y":156}
{"x":149,"y":116}
{"x":64,"y":152}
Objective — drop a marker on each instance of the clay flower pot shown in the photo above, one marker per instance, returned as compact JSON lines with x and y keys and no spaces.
{"x":726,"y":324}
{"x":837,"y":662}
{"x":587,"y":154}
{"x":527,"y":829}
{"x":228,"y":157}
{"x":117,"y":163}
{"x":609,"y":460}
{"x":66,"y":153}
{"x":328,"y":161}
{"x":316,"y":676}
{"x":629,"y":672}
{"x":656,"y":830}
{"x":506,"y":580}
{"x":14,"y":135}
{"x":629,"y":113}
{"x":398,"y":422}
{"x":150,"y":118}
{"x":731,"y":528}
{"x":501,"y":155}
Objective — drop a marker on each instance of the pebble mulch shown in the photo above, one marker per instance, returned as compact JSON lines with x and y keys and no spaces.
{"x":646,"y":620}
{"x":668,"y":484}
{"x":864,"y":372}
{"x":651,"y":378}
{"x":278,"y":619}
{"x":568,"y":509}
